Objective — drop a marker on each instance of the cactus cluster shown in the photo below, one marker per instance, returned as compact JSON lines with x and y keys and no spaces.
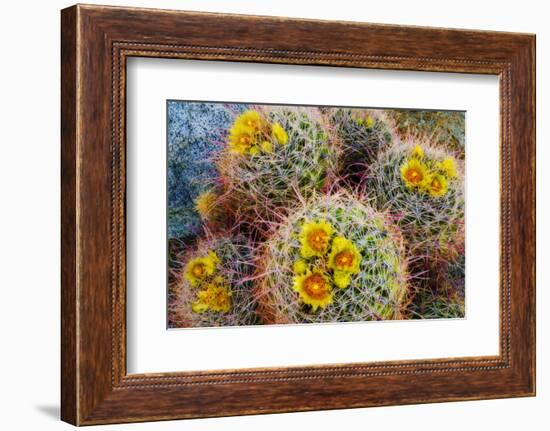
{"x":212,"y":284}
{"x":333,"y":259}
{"x":285,"y":214}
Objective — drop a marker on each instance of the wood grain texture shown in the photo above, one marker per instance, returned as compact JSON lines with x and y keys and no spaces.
{"x":96,"y":41}
{"x":69,"y":397}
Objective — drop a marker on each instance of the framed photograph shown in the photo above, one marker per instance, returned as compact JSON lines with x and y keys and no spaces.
{"x":266,"y":215}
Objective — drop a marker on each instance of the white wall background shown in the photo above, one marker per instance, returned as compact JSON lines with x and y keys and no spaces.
{"x":29,"y":215}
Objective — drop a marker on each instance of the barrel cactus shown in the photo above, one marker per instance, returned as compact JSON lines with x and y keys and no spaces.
{"x":274,"y":157}
{"x":422,"y":186}
{"x":333,"y":259}
{"x":363,"y":133}
{"x":212,"y":285}
{"x":446,"y":128}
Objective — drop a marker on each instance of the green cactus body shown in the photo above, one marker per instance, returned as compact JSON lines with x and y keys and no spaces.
{"x":227,"y":298}
{"x":363,"y":134}
{"x":410,"y":181}
{"x":266,"y":179}
{"x":444,"y":298}
{"x":376,"y":289}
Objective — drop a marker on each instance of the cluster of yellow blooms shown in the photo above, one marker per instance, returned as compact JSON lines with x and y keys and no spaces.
{"x":205,"y":204}
{"x":425,"y":176}
{"x":322,"y":252}
{"x":252,"y":134}
{"x":214,"y":295}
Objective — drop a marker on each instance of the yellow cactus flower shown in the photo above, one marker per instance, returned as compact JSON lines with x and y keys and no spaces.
{"x":437,"y":185}
{"x":314,"y":289}
{"x":266,"y":147}
{"x":199,"y":307}
{"x":279,"y":134}
{"x":205,"y":204}
{"x":245,"y":132}
{"x":213,"y":297}
{"x":369,"y":122}
{"x":448,"y":167}
{"x":315,"y":238}
{"x":241,"y":139}
{"x":344,"y":259}
{"x":250,"y":119}
{"x":418,"y":152}
{"x":299,"y":267}
{"x":200,"y":268}
{"x":341,"y":279}
{"x":344,"y":256}
{"x":414,"y":173}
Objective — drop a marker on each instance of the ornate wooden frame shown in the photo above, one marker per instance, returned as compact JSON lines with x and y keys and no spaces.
{"x":95,"y":43}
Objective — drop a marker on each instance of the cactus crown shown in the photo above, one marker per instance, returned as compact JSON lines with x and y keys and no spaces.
{"x":287,"y":155}
{"x":421,"y":185}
